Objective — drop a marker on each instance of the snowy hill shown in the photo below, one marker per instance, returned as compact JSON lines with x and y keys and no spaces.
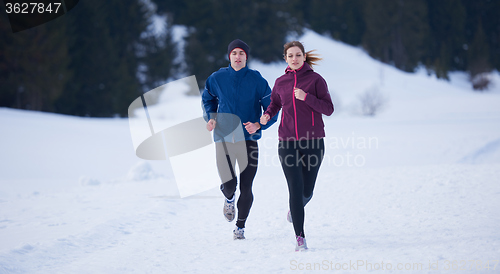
{"x":413,"y":188}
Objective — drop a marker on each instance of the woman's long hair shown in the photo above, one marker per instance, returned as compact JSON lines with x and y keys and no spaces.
{"x":311,"y":58}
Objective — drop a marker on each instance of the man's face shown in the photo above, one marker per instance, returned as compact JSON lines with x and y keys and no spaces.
{"x":238,"y":59}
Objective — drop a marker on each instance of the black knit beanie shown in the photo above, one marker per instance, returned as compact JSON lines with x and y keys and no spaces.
{"x":238,"y":44}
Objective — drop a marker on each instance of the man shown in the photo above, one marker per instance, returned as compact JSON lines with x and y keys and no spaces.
{"x":235,"y":97}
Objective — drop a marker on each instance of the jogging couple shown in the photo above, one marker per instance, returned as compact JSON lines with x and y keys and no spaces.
{"x":238,"y":97}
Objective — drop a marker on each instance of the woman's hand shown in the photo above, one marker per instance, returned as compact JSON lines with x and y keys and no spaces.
{"x":264,"y":119}
{"x":300,"y":94}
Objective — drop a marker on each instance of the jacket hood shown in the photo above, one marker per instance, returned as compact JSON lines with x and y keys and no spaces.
{"x":305,"y":67}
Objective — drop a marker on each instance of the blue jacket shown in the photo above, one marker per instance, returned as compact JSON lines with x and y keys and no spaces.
{"x":244,"y":93}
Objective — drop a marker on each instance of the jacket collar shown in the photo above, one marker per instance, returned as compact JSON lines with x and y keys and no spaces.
{"x":305,"y":67}
{"x":238,"y":73}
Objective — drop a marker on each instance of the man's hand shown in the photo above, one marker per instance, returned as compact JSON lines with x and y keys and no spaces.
{"x":211,"y":124}
{"x":264,"y":119}
{"x":252,"y":127}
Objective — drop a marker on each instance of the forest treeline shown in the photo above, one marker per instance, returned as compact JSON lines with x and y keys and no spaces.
{"x":95,"y":60}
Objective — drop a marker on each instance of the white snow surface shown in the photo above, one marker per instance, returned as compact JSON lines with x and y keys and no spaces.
{"x":413,"y":189}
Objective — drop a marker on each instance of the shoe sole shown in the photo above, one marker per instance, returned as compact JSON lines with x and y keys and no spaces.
{"x":226,"y":215}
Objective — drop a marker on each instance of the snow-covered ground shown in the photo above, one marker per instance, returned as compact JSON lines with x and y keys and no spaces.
{"x":414,"y":188}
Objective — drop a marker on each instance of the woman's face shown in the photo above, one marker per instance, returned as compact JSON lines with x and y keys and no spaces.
{"x":295,"y":58}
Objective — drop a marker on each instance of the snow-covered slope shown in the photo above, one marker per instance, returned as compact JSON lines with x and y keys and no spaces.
{"x":413,"y":188}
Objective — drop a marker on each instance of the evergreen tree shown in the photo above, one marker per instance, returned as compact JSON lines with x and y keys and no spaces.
{"x":447,"y":23}
{"x":341,"y":19}
{"x":8,"y":86}
{"x":492,"y":30}
{"x":93,"y":62}
{"x":156,"y":54}
{"x":213,"y":24}
{"x":126,"y":21}
{"x":484,"y":12}
{"x":479,"y":55}
{"x":100,"y":56}
{"x":33,"y":65}
{"x":109,"y":43}
{"x":396,"y":31}
{"x":200,"y":57}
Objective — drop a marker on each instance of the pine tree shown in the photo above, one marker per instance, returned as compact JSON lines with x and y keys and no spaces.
{"x":340,"y":19}
{"x":8,"y":86}
{"x":127,"y":22}
{"x":88,"y":91}
{"x":484,"y":12}
{"x":213,"y":24}
{"x":479,"y":55}
{"x":445,"y":51}
{"x":33,"y":65}
{"x":156,"y":54}
{"x":107,"y":48}
{"x":396,"y":31}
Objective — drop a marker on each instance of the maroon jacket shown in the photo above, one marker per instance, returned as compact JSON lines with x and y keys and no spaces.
{"x":300,"y":119}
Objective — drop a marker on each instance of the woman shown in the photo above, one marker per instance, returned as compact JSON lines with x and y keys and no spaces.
{"x":303,"y":95}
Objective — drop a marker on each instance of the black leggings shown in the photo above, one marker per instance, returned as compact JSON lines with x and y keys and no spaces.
{"x":300,"y":161}
{"x":247,"y":154}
